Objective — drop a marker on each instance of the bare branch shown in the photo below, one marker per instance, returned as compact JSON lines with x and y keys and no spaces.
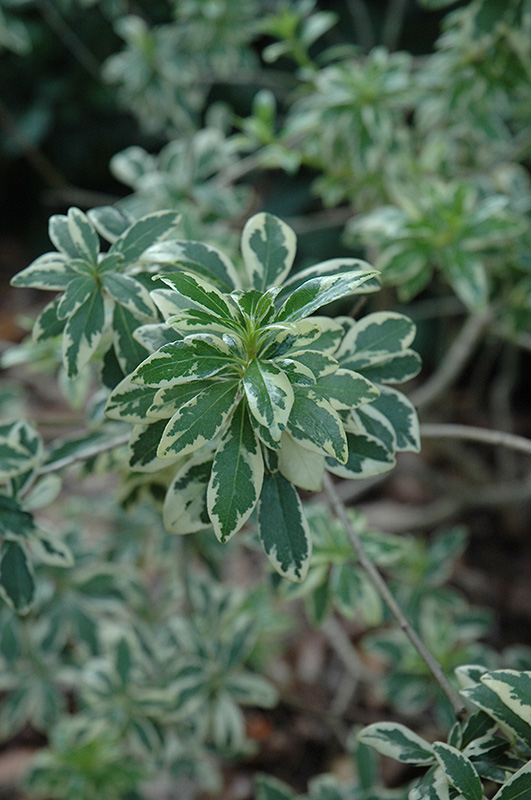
{"x":473,"y":434}
{"x":381,"y":587}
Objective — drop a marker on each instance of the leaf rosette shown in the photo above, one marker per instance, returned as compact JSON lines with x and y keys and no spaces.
{"x":249,"y":394}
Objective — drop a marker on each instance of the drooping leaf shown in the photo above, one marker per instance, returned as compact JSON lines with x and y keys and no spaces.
{"x":237,"y":475}
{"x":367,"y":456}
{"x":345,"y":389}
{"x":283,"y":528}
{"x":129,"y":401}
{"x":129,"y":351}
{"x":518,"y":786}
{"x":401,"y":413}
{"x":513,"y":687}
{"x":144,"y":444}
{"x":182,"y":361}
{"x":15,"y":522}
{"x":302,"y":467}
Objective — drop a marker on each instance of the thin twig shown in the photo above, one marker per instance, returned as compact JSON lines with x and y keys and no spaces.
{"x":83,"y":455}
{"x":454,"y":361}
{"x":362,"y":23}
{"x":345,"y":650}
{"x":474,"y":434}
{"x":383,"y":590}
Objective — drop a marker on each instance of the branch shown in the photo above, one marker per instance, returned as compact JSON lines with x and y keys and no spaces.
{"x":383,"y":590}
{"x":453,"y":362}
{"x":69,"y":38}
{"x":473,"y":434}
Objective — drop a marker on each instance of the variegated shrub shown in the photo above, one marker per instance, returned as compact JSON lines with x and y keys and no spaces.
{"x":250,"y":395}
{"x":235,"y":388}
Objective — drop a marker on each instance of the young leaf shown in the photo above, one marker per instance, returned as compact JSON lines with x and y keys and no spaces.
{"x":459,"y":770}
{"x":318,"y":292}
{"x":269,"y":395}
{"x":283,"y":528}
{"x":396,"y":741}
{"x":17,"y":585}
{"x":268,"y":249}
{"x":237,"y":475}
{"x":185,"y":505}
{"x":199,"y":420}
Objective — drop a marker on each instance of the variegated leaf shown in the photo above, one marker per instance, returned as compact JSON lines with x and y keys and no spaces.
{"x":237,"y":475}
{"x":298,"y":374}
{"x":15,"y":522}
{"x":320,"y":364}
{"x":396,"y":368}
{"x":459,"y":771}
{"x":78,"y":290}
{"x":290,"y":337}
{"x":201,"y":294}
{"x":199,"y":420}
{"x":179,"y":362}
{"x":17,"y":584}
{"x":467,"y":276}
{"x":513,"y":687}
{"x":518,"y":786}
{"x":396,"y":741}
{"x":269,"y":395}
{"x":144,"y":233}
{"x":332,"y":267}
{"x":367,"y":456}
{"x":314,"y":424}
{"x":185,"y":506}
{"x":268,"y":249}
{"x":354,"y":594}
{"x":283,"y":529}
{"x":488,"y":701}
{"x":49,"y":271}
{"x":318,"y":292}
{"x":129,"y":402}
{"x":345,"y":389}
{"x":169,"y":302}
{"x":111,"y":222}
{"x":74,"y":235}
{"x":258,"y":306}
{"x":156,"y":335}
{"x":129,"y":352}
{"x":401,"y":413}
{"x":83,"y":333}
{"x":302,"y":467}
{"x":433,"y":786}
{"x":197,"y":257}
{"x":382,"y":332}
{"x":144,"y":444}
{"x":372,"y":422}
{"x":130,"y":294}
{"x":193,"y":319}
{"x":48,"y":325}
